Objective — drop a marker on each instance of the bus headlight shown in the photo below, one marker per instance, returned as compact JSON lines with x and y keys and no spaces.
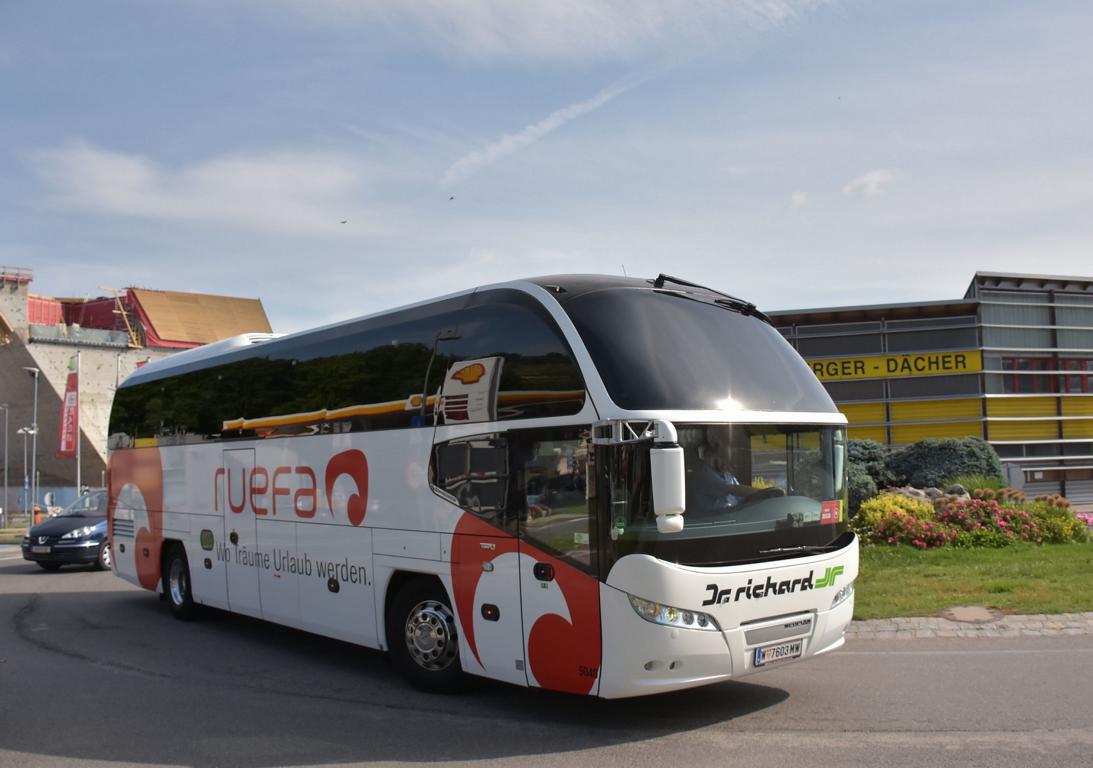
{"x":673,"y":617}
{"x":843,"y":595}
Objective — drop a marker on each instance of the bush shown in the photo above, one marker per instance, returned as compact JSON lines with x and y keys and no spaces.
{"x":1057,"y":524}
{"x":987,"y":523}
{"x":870,"y":456}
{"x":859,"y":485}
{"x":865,"y":452}
{"x":902,"y":528}
{"x":873,"y":511}
{"x":976,"y":482}
{"x":1002,"y":495}
{"x":1055,"y":501}
{"x":929,"y":462}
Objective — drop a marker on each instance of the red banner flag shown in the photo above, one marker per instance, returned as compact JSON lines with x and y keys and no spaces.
{"x":69,"y":432}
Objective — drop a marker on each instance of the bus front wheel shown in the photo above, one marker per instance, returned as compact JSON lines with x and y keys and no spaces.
{"x":422,"y":637}
{"x":176,"y":584}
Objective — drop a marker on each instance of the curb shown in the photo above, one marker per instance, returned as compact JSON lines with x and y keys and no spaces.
{"x":1033,"y":625}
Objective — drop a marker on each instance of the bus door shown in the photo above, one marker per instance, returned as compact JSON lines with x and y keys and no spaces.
{"x":559,"y":588}
{"x":240,"y":533}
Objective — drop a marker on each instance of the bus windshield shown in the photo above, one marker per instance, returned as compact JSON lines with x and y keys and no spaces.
{"x":667,"y":350}
{"x":751,"y":489}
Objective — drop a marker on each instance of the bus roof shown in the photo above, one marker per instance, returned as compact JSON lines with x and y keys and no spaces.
{"x":563,"y":288}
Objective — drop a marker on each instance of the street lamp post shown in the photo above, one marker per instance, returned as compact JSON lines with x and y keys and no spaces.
{"x":34,"y":438}
{"x":24,"y":431}
{"x":7,"y":511}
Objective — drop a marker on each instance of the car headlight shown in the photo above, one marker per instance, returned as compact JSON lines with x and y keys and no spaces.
{"x":843,"y":594}
{"x":673,"y":617}
{"x":80,"y":533}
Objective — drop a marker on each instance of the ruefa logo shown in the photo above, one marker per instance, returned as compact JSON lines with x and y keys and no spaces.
{"x":269,"y":491}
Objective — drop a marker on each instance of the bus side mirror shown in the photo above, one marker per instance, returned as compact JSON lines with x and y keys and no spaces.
{"x":669,"y":482}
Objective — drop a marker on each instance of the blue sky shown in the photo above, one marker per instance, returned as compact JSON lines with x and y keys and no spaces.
{"x":797,"y":153}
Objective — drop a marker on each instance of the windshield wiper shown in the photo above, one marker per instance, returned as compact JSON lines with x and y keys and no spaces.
{"x":728,"y":301}
{"x":813,"y":548}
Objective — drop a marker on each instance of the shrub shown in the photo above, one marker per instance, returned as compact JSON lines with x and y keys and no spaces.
{"x":902,"y":528}
{"x":865,"y":452}
{"x":869,"y":455}
{"x":989,"y":524}
{"x":975,"y":482}
{"x":1055,"y":500}
{"x":1057,"y":524}
{"x":929,"y":462}
{"x":1003,"y":494}
{"x":876,"y":509}
{"x":859,"y":485}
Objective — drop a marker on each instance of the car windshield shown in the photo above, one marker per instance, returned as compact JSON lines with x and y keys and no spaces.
{"x":89,"y":505}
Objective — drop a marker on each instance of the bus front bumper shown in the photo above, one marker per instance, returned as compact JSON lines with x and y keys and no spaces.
{"x":642,"y":657}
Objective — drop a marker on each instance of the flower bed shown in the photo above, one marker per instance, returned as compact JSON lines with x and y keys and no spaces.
{"x":896,"y":519}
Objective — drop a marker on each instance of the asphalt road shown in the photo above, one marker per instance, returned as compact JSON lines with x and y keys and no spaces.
{"x":93,"y":671}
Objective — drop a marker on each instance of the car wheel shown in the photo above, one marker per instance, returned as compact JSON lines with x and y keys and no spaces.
{"x":176,"y":584}
{"x":104,"y":560}
{"x":50,"y":566}
{"x":422,"y":637}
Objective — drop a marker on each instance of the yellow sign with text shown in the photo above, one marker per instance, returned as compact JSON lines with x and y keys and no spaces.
{"x":892,"y":366}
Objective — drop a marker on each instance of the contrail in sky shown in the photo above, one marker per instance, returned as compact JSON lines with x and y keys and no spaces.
{"x":474,"y":161}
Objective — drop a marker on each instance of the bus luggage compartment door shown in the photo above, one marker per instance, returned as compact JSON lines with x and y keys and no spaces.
{"x":240,"y":533}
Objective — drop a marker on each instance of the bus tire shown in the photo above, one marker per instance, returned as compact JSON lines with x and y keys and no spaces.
{"x":176,"y":584}
{"x":422,"y":637}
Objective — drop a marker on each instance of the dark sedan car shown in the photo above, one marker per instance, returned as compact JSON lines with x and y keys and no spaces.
{"x":77,"y":536}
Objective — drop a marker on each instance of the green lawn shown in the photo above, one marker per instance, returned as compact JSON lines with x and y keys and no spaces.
{"x":902,"y":581}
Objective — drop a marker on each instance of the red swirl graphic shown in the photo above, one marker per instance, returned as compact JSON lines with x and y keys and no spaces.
{"x":563,"y":655}
{"x":354,"y":464}
{"x":143,"y":468}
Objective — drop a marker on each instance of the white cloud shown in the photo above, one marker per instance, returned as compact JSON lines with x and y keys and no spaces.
{"x":798,"y":199}
{"x":474,"y":161}
{"x":870,"y":184}
{"x":296,"y":193}
{"x":558,"y":29}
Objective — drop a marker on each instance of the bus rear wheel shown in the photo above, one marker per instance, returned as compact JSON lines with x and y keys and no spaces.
{"x":422,"y":637}
{"x":176,"y":584}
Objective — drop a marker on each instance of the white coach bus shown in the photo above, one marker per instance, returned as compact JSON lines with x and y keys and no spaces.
{"x":599,"y":485}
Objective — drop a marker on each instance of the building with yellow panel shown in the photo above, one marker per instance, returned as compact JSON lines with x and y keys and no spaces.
{"x":1010,"y":362}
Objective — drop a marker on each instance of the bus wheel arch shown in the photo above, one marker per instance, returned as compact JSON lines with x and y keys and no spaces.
{"x":175,"y":581}
{"x":422,"y":632}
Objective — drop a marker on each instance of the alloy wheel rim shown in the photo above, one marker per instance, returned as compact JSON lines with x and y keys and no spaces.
{"x":177,"y":582}
{"x":431,"y":636}
{"x":107,"y":559}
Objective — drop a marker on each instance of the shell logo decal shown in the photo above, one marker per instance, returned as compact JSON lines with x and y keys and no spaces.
{"x":470,"y":374}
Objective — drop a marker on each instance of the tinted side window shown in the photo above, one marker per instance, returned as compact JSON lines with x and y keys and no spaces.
{"x":509,"y":361}
{"x":473,"y":473}
{"x":532,"y":482}
{"x":553,"y":480}
{"x":506,"y":354}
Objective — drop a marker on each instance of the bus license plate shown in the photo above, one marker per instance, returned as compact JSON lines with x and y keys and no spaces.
{"x":41,"y":550}
{"x":769,"y":654}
